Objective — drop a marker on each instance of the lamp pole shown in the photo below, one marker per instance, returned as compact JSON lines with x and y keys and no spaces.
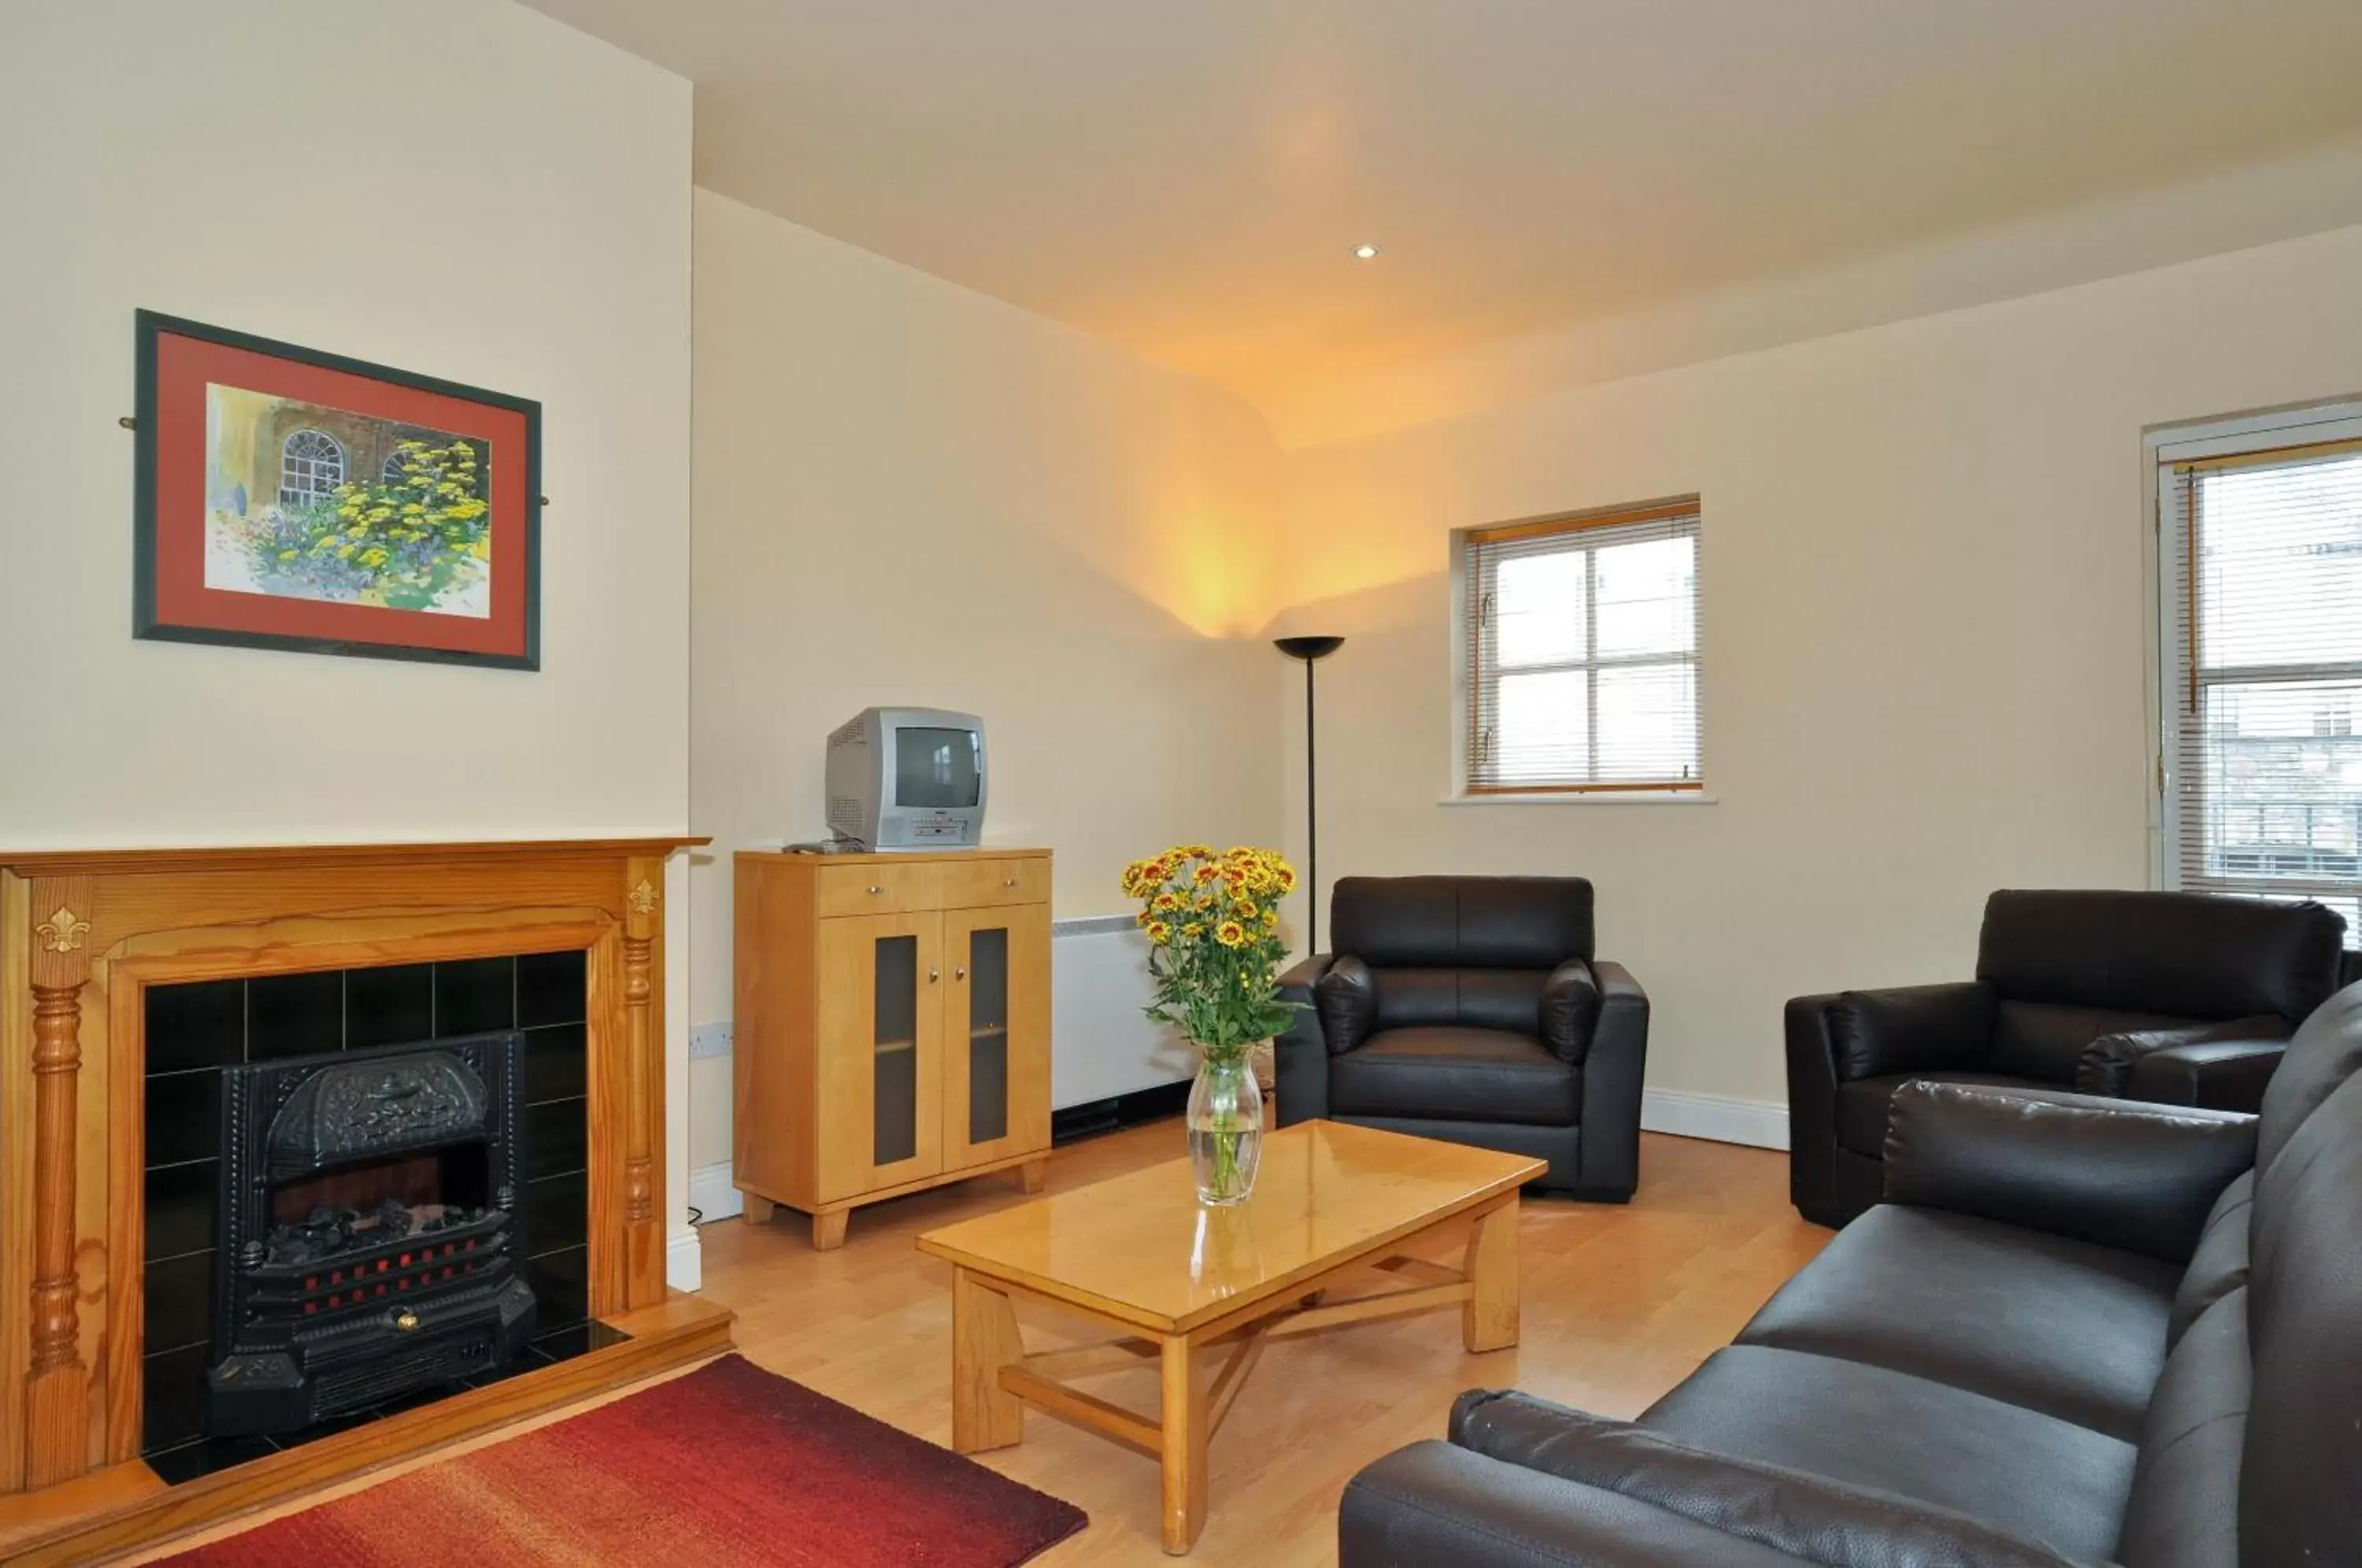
{"x":1312,"y":650}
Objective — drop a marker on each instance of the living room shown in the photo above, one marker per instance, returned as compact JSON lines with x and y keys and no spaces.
{"x":1039,"y":367}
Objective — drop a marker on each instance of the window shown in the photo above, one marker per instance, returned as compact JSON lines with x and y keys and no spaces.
{"x":311,"y":466}
{"x":2260,"y":537}
{"x":1581,"y":664}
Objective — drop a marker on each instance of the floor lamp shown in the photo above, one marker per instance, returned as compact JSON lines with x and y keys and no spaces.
{"x":1312,"y":650}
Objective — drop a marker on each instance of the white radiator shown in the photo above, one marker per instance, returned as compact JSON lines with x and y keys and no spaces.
{"x":1101,"y":1045}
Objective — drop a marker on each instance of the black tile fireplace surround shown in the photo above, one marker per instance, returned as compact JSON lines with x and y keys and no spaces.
{"x":195,"y":1031}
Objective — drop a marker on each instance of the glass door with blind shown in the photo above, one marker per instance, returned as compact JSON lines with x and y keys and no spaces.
{"x":997,"y":1032}
{"x":2260,"y":549}
{"x":881,"y":1006}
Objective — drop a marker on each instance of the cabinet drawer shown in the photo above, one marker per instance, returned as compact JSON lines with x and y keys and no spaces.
{"x":975,"y":884}
{"x":877,"y":890}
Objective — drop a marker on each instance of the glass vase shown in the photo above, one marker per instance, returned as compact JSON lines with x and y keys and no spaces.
{"x":1225,"y":1128}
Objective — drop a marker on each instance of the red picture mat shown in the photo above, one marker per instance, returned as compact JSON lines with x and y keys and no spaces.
{"x":184,"y":368}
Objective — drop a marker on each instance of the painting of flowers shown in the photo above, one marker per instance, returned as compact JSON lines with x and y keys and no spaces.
{"x":289,"y":498}
{"x":325,"y":503}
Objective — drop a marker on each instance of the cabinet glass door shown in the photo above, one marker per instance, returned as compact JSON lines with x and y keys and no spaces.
{"x":880,"y":996}
{"x":996,"y":1079}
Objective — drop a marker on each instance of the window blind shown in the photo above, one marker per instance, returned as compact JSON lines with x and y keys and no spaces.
{"x":2266,"y":797}
{"x":1581,"y":653}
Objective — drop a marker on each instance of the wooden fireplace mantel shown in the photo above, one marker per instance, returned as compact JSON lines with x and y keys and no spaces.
{"x":83,"y":933}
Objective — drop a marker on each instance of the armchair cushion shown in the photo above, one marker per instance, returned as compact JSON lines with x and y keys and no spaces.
{"x":1347,"y":996}
{"x":1909,"y":1029}
{"x":1569,"y":1009}
{"x":2185,"y":955}
{"x":2106,"y":1065}
{"x":2142,"y":1178}
{"x":1455,"y":1074}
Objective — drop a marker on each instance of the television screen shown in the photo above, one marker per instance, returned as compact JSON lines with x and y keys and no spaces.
{"x":935,"y":767}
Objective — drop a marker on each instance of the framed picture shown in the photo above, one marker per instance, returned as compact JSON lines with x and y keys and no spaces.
{"x":291,"y":498}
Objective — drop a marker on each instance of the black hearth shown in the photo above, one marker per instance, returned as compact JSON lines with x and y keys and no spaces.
{"x":370,"y":1230}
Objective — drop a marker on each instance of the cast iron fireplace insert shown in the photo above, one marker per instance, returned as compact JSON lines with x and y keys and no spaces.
{"x":369,"y":1228}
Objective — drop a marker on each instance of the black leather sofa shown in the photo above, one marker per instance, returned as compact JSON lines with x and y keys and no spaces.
{"x":1470,"y":1009}
{"x":2081,"y":1330}
{"x":2175,"y":998}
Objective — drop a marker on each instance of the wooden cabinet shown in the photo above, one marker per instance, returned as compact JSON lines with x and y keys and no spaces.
{"x":892,"y":1028}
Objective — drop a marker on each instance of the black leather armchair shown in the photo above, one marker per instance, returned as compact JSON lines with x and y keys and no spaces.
{"x":2170,"y":997}
{"x":1470,"y":1009}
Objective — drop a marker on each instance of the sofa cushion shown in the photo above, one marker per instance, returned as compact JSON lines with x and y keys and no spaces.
{"x":2190,"y":956}
{"x":2325,"y":1051}
{"x":1456,"y":1074}
{"x":2073,"y":1331}
{"x":2061,"y":1484}
{"x":2184,"y":1510}
{"x":1862,"y":1105}
{"x":2219,"y":1266}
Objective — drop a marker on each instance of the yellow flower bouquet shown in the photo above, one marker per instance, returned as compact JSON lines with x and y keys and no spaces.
{"x":1214,"y":956}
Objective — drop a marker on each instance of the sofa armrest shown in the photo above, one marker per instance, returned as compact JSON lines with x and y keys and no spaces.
{"x":1794,"y":1514}
{"x":2108,"y":1063}
{"x":1300,"y":1054}
{"x":2219,"y":1075}
{"x":1910,"y":1028}
{"x":1431,"y":1504}
{"x":1608,"y":1147}
{"x":2141,"y":1178}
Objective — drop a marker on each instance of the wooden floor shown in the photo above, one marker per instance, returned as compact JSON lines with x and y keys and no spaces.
{"x":1621,"y":1304}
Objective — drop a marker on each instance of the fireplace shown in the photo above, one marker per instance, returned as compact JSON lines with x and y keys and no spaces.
{"x":370,"y":1230}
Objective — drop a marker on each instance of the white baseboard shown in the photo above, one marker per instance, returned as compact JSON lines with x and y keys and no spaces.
{"x":710,"y":1194}
{"x":685,"y":1260}
{"x":1759,"y":1123}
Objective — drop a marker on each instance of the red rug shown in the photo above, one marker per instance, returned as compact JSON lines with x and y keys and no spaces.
{"x":726,"y":1466}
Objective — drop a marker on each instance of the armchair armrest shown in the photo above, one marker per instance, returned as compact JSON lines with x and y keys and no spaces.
{"x":1794,"y":1515}
{"x":2220,"y":1075}
{"x":1607,"y":1149}
{"x":1570,"y":1010}
{"x":1299,"y":1057}
{"x":2108,"y":1063}
{"x":1347,"y":996}
{"x":1909,"y":1029}
{"x":2137,"y":1177}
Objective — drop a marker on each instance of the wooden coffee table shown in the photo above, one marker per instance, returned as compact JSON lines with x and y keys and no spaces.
{"x":1178,"y":1281}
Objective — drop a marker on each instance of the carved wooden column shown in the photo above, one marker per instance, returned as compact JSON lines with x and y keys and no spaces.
{"x":57,"y":1390}
{"x":643,"y":1227}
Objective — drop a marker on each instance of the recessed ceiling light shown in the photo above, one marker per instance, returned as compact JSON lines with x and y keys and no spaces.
{"x":1366,"y":251}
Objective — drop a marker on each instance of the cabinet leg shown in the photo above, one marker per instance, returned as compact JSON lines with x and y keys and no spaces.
{"x":759,"y":1210}
{"x":828,"y":1230}
{"x":984,"y":1340}
{"x":1032,"y":1174}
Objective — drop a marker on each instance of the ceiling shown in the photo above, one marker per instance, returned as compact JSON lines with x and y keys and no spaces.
{"x":1187,"y":178}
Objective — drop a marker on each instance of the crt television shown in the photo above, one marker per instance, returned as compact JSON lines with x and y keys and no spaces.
{"x":907,"y":778}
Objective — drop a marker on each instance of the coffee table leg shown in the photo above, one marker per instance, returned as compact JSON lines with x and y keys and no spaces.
{"x":984,"y":1340}
{"x":1183,"y":1421}
{"x":1488,"y":1319}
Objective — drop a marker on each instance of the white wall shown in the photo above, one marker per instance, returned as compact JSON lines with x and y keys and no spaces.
{"x":1925,"y":627}
{"x":908,"y":492}
{"x":449,"y":186}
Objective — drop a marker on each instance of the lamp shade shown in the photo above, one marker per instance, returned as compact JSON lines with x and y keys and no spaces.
{"x":1308,"y":648}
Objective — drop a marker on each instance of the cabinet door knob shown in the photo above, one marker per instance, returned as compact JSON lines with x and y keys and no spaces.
{"x":959,"y":972}
{"x":875,"y":888}
{"x":1008,"y":882}
{"x":934,"y":973}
